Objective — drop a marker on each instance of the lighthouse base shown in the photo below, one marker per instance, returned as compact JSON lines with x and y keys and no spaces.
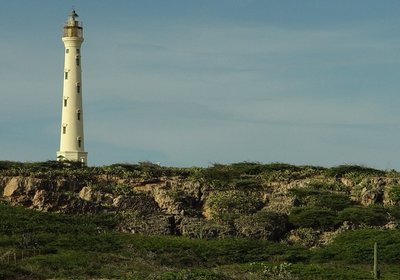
{"x":72,"y":156}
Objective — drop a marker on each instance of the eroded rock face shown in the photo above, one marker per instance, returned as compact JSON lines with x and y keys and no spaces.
{"x":172,"y":205}
{"x":15,"y":186}
{"x":10,"y":187}
{"x":44,"y":194}
{"x":86,"y":193}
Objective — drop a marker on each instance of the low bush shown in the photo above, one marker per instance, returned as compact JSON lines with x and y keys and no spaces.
{"x":262,"y":225}
{"x":219,"y":175}
{"x":246,"y":184}
{"x":313,"y":217}
{"x":394,"y":194}
{"x":231,"y":204}
{"x":370,"y":216}
{"x":312,"y":197}
{"x":192,"y":275}
{"x":357,"y":247}
{"x":11,"y":271}
{"x":341,"y":170}
{"x":331,"y":271}
{"x":34,"y":221}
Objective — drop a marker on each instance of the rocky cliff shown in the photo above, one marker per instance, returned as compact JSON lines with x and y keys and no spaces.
{"x":244,"y":199}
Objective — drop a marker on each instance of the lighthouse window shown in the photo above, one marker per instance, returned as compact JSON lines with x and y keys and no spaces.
{"x":78,"y":113}
{"x":66,"y":50}
{"x":64,"y":129}
{"x":79,"y":142}
{"x":77,"y":61}
{"x":65,"y":102}
{"x":78,"y":88}
{"x":78,"y":51}
{"x":66,"y":75}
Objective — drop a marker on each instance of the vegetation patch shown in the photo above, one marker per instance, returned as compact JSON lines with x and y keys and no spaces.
{"x":394,"y":194}
{"x":311,"y":197}
{"x":228,"y":205}
{"x":313,"y":217}
{"x":369,"y":216}
{"x":343,"y":170}
{"x":262,"y":225}
{"x":159,"y":222}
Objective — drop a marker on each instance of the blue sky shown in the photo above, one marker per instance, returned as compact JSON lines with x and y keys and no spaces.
{"x":191,"y":83}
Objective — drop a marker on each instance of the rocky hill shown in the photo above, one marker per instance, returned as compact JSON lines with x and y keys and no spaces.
{"x":295,"y":204}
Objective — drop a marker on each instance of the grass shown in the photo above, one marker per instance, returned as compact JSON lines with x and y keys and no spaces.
{"x":71,"y":246}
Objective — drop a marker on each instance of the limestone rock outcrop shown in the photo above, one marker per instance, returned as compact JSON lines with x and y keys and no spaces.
{"x":193,"y":206}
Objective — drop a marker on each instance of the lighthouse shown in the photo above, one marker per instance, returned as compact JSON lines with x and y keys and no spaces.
{"x":72,"y":139}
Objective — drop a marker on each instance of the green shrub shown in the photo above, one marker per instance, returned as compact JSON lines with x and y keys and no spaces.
{"x":264,"y":225}
{"x":331,"y":271}
{"x":370,"y":216}
{"x":202,"y":228}
{"x":192,"y":275}
{"x":68,"y":264}
{"x":277,"y":166}
{"x":249,"y":168}
{"x":266,"y":271}
{"x":6,"y":165}
{"x":341,"y":170}
{"x":148,"y":170}
{"x":307,"y":237}
{"x":11,"y":271}
{"x":34,"y":221}
{"x":332,"y":201}
{"x":394,"y":213}
{"x":328,"y":186}
{"x":230,"y":204}
{"x":313,"y":217}
{"x":256,"y":168}
{"x":320,"y":198}
{"x":247,"y":184}
{"x":357,"y":247}
{"x":220,"y":175}
{"x":394,"y":194}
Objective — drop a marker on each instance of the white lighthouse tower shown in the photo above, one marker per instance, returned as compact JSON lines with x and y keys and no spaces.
{"x":72,"y":139}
